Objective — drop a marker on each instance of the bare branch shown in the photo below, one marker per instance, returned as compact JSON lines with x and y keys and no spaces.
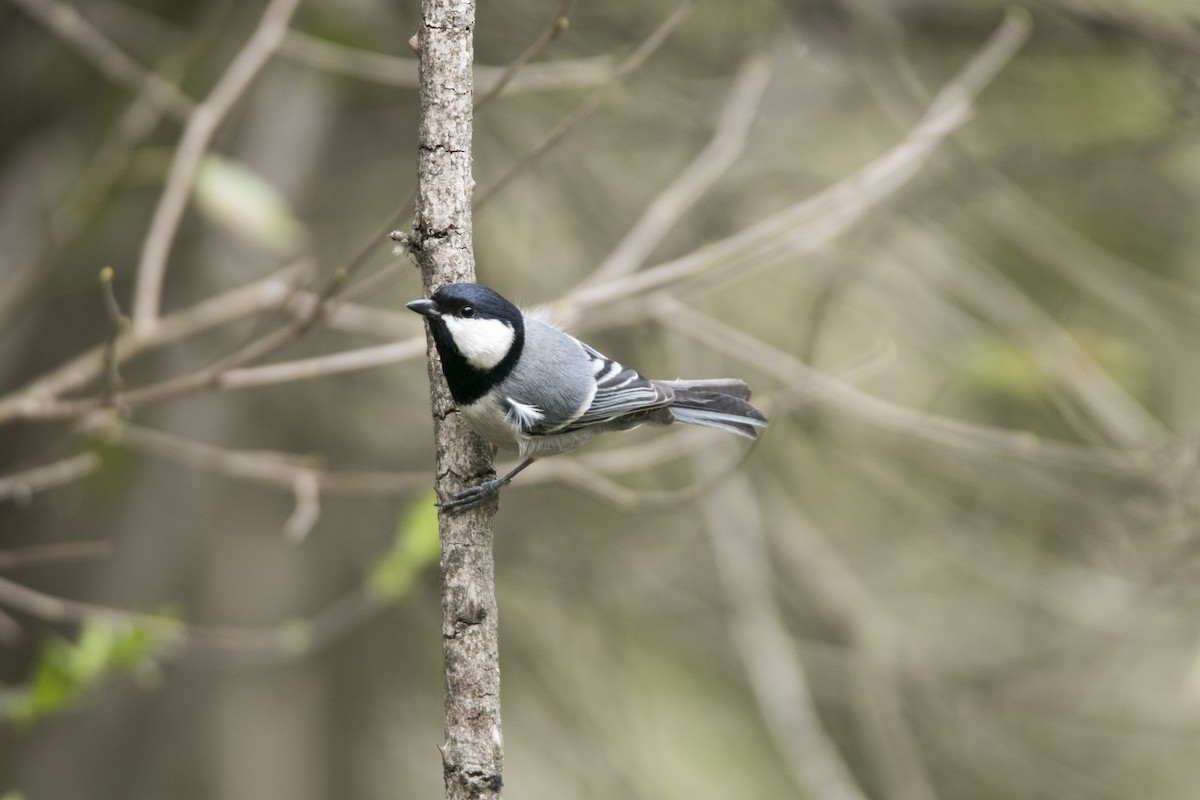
{"x":70,"y":213}
{"x":777,"y":676}
{"x":262,"y":644}
{"x":321,"y":366}
{"x":878,"y":645}
{"x":39,"y":399}
{"x":21,"y":486}
{"x":587,"y":472}
{"x":39,"y":554}
{"x":392,"y":70}
{"x":277,"y":470}
{"x":628,"y":67}
{"x":723,"y":149}
{"x":943,"y":431}
{"x":1171,"y":308}
{"x":817,"y":220}
{"x":307,"y":489}
{"x":87,"y":40}
{"x":352,"y":62}
{"x":548,"y":35}
{"x":1118,"y":416}
{"x":201,"y":125}
{"x":56,"y":609}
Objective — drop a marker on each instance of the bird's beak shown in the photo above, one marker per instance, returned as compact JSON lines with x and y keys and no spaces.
{"x":426,"y":308}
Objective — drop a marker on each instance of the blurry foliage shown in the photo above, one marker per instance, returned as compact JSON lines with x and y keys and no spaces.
{"x":236,"y":198}
{"x":415,"y":548}
{"x":65,"y":671}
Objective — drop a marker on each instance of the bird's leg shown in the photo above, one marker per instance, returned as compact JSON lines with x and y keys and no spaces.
{"x":469,"y":498}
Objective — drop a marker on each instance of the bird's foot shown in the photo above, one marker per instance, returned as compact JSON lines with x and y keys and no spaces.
{"x":469,"y":498}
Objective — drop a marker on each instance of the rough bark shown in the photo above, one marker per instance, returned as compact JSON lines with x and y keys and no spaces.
{"x":473,"y":753}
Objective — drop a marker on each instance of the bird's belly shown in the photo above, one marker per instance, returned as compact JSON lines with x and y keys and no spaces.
{"x":486,"y":417}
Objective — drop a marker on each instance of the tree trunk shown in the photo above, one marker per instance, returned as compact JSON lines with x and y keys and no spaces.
{"x":473,"y":755}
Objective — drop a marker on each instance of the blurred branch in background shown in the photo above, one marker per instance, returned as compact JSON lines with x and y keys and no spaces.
{"x":815,"y":221}
{"x":806,"y":225}
{"x":777,"y":677}
{"x":702,"y":172}
{"x":907,"y":422}
{"x":21,"y":486}
{"x":1112,"y":415}
{"x":522,"y":65}
{"x":41,"y":398}
{"x":75,"y":31}
{"x":518,"y":77}
{"x":202,"y":124}
{"x":593,"y":101}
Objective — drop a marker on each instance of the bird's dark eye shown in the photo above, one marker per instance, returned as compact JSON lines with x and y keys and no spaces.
{"x":468,"y":311}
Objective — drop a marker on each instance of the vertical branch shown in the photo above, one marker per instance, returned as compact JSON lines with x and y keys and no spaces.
{"x":472,"y":757}
{"x":201,"y":126}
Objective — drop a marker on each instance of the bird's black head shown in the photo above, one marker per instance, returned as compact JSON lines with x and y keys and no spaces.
{"x":479,"y":336}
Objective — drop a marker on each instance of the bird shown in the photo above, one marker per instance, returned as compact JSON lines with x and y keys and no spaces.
{"x":526,"y":385}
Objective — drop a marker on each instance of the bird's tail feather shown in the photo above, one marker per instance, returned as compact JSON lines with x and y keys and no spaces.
{"x":721,"y":403}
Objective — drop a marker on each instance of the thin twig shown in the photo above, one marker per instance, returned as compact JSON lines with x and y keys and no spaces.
{"x":39,"y":399}
{"x":286,"y":641}
{"x":943,"y":431}
{"x":209,"y":377}
{"x":879,"y":644}
{"x":580,"y":474}
{"x":201,"y":125}
{"x":70,"y":212}
{"x":729,"y":139}
{"x":818,"y":219}
{"x":347,"y":317}
{"x":777,"y":677}
{"x":1169,"y":307}
{"x":600,"y":68}
{"x":1120,"y":418}
{"x":630,"y":65}
{"x":551,"y":32}
{"x":352,"y":62}
{"x":21,"y":486}
{"x":276,"y":470}
{"x":390,"y":70}
{"x":225,"y":373}
{"x":66,"y":23}
{"x":319,"y":366}
{"x":40,"y":554}
{"x":112,"y":374}
{"x":307,"y":490}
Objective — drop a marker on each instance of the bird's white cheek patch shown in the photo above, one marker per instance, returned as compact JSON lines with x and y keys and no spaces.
{"x":483,"y":342}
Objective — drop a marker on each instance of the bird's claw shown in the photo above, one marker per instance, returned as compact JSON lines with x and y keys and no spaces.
{"x":469,"y":498}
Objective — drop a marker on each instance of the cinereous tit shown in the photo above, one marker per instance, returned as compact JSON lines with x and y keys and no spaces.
{"x":528,"y":386}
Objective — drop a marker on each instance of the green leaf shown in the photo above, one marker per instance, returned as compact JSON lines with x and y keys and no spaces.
{"x":415,"y":547}
{"x":66,"y":670}
{"x":1004,"y":367}
{"x":235,"y":197}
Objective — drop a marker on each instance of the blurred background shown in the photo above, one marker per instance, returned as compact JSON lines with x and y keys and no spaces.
{"x":961,"y":562}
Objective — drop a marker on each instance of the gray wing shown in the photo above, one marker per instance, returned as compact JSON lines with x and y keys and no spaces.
{"x":562,"y":385}
{"x":552,"y":383}
{"x":620,"y":391}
